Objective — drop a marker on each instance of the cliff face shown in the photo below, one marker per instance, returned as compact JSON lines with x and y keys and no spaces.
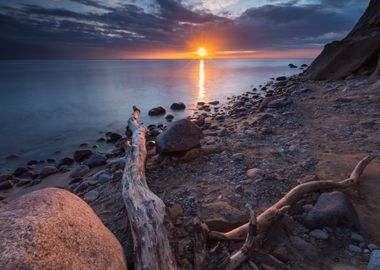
{"x":358,"y":53}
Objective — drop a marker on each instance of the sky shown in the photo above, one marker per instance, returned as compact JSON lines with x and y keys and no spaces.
{"x":121,"y":29}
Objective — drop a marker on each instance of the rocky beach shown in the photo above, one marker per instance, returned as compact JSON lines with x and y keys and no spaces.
{"x":213,"y":168}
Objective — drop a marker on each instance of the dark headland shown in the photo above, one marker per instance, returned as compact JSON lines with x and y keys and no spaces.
{"x":226,"y":166}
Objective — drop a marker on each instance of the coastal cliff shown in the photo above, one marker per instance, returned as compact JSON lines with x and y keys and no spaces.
{"x":357,"y":54}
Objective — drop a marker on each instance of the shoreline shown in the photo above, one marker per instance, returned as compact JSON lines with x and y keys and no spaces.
{"x":255,"y":149}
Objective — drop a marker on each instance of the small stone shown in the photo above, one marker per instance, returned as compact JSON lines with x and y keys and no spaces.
{"x":255,"y":173}
{"x":356,"y":237}
{"x":79,"y":171}
{"x":48,"y":170}
{"x":169,"y":117}
{"x":66,"y":161}
{"x":114,"y":137}
{"x":6,"y":184}
{"x":319,"y":234}
{"x":238,"y":156}
{"x":374,"y":261}
{"x":95,"y":160}
{"x":216,"y":102}
{"x":177,"y":106}
{"x":354,"y":249}
{"x":12,"y":156}
{"x":91,"y":196}
{"x":104,"y":178}
{"x":157,"y":111}
{"x":81,"y":155}
{"x":20,"y":171}
{"x":373,"y":247}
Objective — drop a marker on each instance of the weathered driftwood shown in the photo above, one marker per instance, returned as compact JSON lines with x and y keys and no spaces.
{"x":145,"y":210}
{"x":266,"y":219}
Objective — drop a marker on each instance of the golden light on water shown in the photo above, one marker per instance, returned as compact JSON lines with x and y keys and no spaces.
{"x":201,"y":82}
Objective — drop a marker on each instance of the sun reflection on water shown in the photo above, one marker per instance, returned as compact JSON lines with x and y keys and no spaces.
{"x":201,"y":83}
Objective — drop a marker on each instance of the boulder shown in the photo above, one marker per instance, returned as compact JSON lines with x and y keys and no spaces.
{"x":178,"y":106}
{"x":221,"y":216}
{"x":279,"y":103}
{"x":157,"y":111}
{"x":374,"y":260}
{"x":357,"y":53}
{"x":81,"y":155}
{"x":332,"y":209}
{"x":292,"y":66}
{"x":95,"y":160}
{"x":20,"y":171}
{"x":54,"y":229}
{"x":281,"y":78}
{"x":181,"y":135}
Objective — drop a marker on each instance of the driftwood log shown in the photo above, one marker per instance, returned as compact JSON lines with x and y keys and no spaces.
{"x":146,"y":211}
{"x":146,"y":214}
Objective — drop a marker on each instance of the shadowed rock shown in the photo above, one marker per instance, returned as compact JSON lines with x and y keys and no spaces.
{"x":54,"y":229}
{"x":180,"y":136}
{"x":332,"y":209}
{"x":358,"y":53}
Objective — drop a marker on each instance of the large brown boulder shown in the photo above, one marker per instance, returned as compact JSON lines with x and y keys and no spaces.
{"x":54,"y":229}
{"x":358,"y":53}
{"x":181,"y":135}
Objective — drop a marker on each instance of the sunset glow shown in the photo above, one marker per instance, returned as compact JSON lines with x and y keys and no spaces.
{"x":202,"y":52}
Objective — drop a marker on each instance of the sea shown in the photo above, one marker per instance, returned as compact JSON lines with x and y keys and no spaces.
{"x":49,"y":107}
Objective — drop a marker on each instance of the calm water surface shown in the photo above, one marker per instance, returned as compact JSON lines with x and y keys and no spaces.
{"x":49,"y":106}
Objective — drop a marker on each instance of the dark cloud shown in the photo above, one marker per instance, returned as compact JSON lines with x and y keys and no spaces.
{"x":34,"y":31}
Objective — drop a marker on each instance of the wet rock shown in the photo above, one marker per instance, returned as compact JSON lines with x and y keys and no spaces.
{"x":356,"y":237}
{"x":319,"y":234}
{"x":374,"y":261}
{"x":169,"y":117}
{"x":12,"y":157}
{"x":373,"y":247}
{"x":81,"y":155}
{"x":66,"y":161}
{"x":54,"y":229}
{"x":279,"y":103}
{"x":48,"y":170}
{"x":215,"y":102}
{"x":178,"y":106}
{"x":32,"y":162}
{"x":304,"y":65}
{"x":281,"y":78}
{"x":91,"y":196}
{"x":113,"y":137}
{"x":7,"y":184}
{"x":95,"y":160}
{"x":292,"y":66}
{"x":20,"y":171}
{"x":332,"y":209}
{"x":354,"y":249}
{"x":221,"y":216}
{"x":181,"y":135}
{"x":79,"y":171}
{"x":157,"y":111}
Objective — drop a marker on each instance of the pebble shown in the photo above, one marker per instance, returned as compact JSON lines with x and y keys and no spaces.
{"x":91,"y":196}
{"x":354,"y":249}
{"x":319,"y":234}
{"x":356,"y":237}
{"x":373,"y":247}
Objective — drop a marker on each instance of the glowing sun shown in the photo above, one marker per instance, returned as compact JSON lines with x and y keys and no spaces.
{"x":201,"y":52}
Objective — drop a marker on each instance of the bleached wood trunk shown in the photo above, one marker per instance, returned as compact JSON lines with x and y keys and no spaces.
{"x":145,"y":210}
